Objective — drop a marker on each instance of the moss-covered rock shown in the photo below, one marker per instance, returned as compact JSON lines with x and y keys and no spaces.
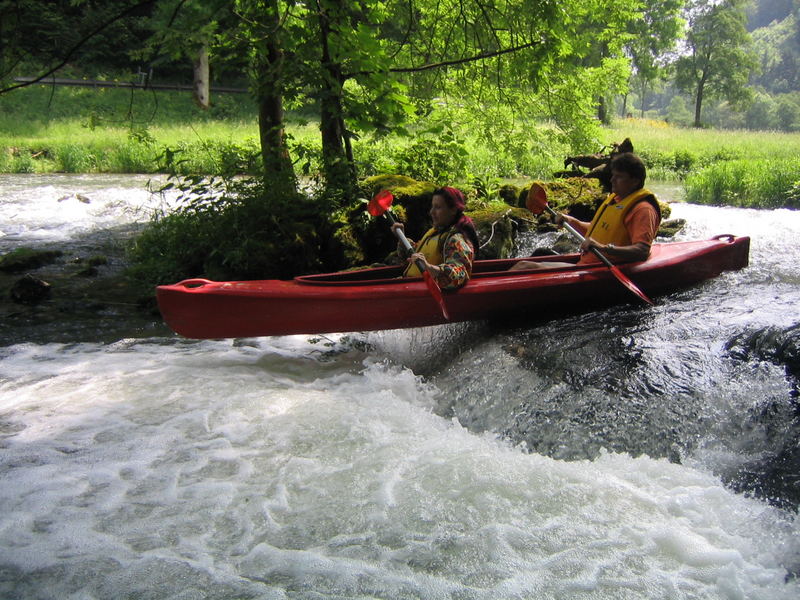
{"x":369,"y":240}
{"x":30,"y":290}
{"x":401,"y":186}
{"x":580,"y":197}
{"x":411,"y":205}
{"x":575,"y":196}
{"x":25,"y":259}
{"x":498,"y":227}
{"x":512,"y":195}
{"x":671,"y":227}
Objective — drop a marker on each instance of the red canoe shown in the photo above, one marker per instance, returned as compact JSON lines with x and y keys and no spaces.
{"x":372,"y":299}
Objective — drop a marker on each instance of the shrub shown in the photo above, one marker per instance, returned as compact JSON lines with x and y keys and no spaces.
{"x":234,"y":229}
{"x":747,"y":183}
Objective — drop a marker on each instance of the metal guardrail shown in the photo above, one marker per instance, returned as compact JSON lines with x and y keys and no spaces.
{"x":123,"y":84}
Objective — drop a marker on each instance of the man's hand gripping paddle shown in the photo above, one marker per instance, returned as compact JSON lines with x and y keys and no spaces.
{"x":537,"y":202}
{"x":379,"y":205}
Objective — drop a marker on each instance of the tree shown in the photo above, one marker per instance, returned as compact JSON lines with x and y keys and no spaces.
{"x":653,"y":35}
{"x":778,"y":49}
{"x":719,"y":58}
{"x":371,"y":66}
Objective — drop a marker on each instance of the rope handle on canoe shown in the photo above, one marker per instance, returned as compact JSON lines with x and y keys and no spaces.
{"x":194,"y":283}
{"x":726,"y":236}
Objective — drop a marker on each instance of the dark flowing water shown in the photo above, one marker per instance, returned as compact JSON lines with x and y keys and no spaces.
{"x":627,"y":453}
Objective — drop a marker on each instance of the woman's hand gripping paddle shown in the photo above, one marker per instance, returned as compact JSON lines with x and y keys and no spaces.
{"x":537,"y":202}
{"x":379,"y":205}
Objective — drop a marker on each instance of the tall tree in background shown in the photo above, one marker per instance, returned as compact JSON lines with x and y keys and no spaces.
{"x":778,"y":48}
{"x":719,"y":58}
{"x":655,"y":34}
{"x":184,"y":31}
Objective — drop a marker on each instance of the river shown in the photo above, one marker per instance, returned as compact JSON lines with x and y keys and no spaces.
{"x":634,"y":452}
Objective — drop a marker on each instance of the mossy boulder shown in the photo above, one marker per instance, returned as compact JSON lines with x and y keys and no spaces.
{"x":26,"y":259}
{"x":512,"y":195}
{"x":496,"y":221}
{"x":575,"y":196}
{"x":498,"y":227}
{"x":364,"y":239}
{"x":414,"y":197}
{"x":30,"y":290}
{"x":369,"y":239}
{"x":671,"y":227}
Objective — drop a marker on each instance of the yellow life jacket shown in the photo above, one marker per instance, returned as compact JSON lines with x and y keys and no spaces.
{"x":608,"y":224}
{"x":431,"y":246}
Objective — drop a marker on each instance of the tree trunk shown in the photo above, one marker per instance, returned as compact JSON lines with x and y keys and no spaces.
{"x":602,"y":110}
{"x":698,"y":102}
{"x":643,"y":96}
{"x":278,"y":168}
{"x":201,"y":86}
{"x":340,"y":174}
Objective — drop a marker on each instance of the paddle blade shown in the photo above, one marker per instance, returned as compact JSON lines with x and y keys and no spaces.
{"x":629,"y":284}
{"x":433,"y":288}
{"x":380,"y":203}
{"x":536,"y":202}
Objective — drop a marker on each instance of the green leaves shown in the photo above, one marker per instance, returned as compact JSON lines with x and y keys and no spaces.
{"x":720,"y":58}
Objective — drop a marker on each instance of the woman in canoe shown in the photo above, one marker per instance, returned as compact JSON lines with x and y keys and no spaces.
{"x":447,"y":249}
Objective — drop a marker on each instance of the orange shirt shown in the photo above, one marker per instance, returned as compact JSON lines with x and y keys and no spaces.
{"x":642,"y":223}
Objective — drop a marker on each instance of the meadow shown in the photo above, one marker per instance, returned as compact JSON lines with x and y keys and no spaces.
{"x":109,"y":130}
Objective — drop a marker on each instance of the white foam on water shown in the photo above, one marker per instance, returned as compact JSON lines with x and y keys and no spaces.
{"x":255,"y":469}
{"x":53,"y":208}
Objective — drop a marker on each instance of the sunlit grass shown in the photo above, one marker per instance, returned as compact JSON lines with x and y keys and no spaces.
{"x":117,"y":131}
{"x":756,"y":183}
{"x":677,"y":152}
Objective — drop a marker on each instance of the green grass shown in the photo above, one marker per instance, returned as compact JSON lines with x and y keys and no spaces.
{"x":678,"y":152}
{"x":756,"y":183}
{"x":757,"y":169}
{"x":86,"y":130}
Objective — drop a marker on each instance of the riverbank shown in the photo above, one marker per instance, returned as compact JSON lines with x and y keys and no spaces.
{"x":83,"y":225}
{"x":89,"y":298}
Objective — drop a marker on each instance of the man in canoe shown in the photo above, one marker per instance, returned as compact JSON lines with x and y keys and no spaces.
{"x":447,"y":250}
{"x":625,"y":225}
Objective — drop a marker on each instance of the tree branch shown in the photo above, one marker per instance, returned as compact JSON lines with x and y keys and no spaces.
{"x":77,"y":46}
{"x":450,"y":63}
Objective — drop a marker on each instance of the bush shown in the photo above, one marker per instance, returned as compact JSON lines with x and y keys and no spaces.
{"x":229,"y":230}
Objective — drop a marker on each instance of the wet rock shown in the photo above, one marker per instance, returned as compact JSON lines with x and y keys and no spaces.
{"x":773,"y":477}
{"x":30,"y":290}
{"x":98,"y":260}
{"x":775,"y":474}
{"x":497,"y":230}
{"x":26,"y":259}
{"x":777,"y":345}
{"x":671,"y":227}
{"x":78,"y":197}
{"x":88,"y":271}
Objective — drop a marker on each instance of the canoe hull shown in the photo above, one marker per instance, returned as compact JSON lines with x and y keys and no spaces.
{"x":375,"y":299}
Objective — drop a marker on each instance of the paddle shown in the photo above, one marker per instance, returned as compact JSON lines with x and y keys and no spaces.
{"x":537,"y":202}
{"x":379,"y":205}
